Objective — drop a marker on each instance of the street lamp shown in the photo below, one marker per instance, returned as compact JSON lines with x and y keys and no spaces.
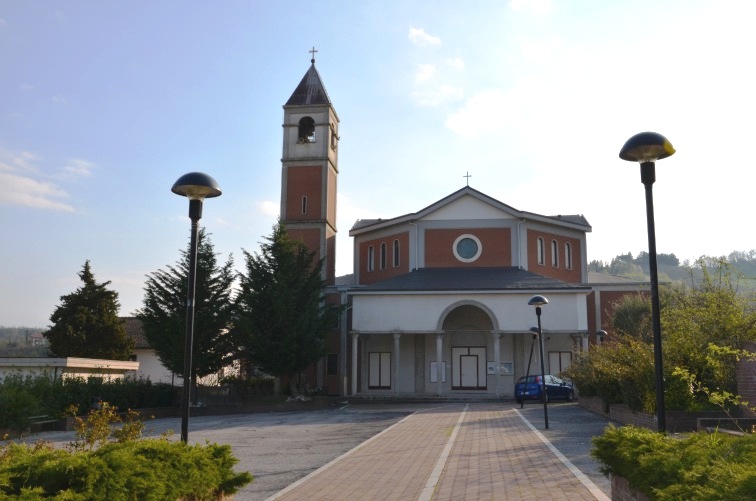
{"x":534,"y":330}
{"x":600,"y":336}
{"x":196,"y":186}
{"x":539,"y":301}
{"x":646,"y":148}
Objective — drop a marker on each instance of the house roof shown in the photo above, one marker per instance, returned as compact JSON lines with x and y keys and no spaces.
{"x":133,"y":328}
{"x":310,"y":90}
{"x":575,"y":221}
{"x":469,"y":279}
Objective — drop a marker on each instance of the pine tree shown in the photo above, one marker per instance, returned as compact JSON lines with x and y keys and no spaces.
{"x":163,"y":315}
{"x":283,"y":318}
{"x":86,"y":323}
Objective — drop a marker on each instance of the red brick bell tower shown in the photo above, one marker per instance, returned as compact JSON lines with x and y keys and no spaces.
{"x":310,"y":169}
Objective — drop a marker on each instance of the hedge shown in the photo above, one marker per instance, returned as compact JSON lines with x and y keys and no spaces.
{"x":701,"y":466}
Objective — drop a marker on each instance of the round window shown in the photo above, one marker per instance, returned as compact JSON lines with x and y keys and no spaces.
{"x":467,"y":248}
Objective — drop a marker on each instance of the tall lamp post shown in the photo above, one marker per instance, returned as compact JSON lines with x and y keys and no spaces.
{"x":647,"y":148}
{"x":539,"y":301}
{"x":196,"y":186}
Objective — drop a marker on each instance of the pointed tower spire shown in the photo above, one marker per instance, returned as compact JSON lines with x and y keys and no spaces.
{"x":310,"y":90}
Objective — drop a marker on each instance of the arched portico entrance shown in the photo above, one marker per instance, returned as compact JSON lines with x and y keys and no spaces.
{"x":467,"y":328}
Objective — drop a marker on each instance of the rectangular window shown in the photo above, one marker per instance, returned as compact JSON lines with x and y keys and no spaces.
{"x":332,"y":364}
{"x":383,"y":255}
{"x":371,"y":259}
{"x":568,"y":256}
{"x":304,"y":204}
{"x":379,"y":369}
{"x":396,"y":253}
{"x":541,"y":252}
{"x":554,"y":254}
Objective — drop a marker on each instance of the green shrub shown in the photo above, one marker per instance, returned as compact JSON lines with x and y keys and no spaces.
{"x":24,"y":396}
{"x":700,"y":466}
{"x":94,"y":467}
{"x":150,"y":469}
{"x":16,"y":406}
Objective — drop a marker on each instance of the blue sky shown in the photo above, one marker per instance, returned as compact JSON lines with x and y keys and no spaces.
{"x":103,"y":105}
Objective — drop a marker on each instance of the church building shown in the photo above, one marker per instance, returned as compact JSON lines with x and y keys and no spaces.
{"x":437,"y":304}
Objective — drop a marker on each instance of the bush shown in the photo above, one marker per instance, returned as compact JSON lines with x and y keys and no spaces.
{"x":95,"y":467}
{"x":150,"y":469}
{"x":25,"y":396}
{"x":700,"y":466}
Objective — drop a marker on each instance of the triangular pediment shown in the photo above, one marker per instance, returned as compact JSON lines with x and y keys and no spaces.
{"x":467,"y":207}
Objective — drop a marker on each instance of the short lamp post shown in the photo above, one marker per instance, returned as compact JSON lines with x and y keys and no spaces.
{"x":196,"y":186}
{"x":600,"y":336}
{"x":539,"y":301}
{"x":646,"y":148}
{"x":534,"y":330}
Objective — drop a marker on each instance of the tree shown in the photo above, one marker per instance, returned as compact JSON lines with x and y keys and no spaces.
{"x":705,"y":329}
{"x":283,"y":316}
{"x":631,"y":315}
{"x":163,"y":315}
{"x":86,"y":323}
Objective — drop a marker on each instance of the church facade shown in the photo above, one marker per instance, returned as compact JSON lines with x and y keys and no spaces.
{"x":437,"y":303}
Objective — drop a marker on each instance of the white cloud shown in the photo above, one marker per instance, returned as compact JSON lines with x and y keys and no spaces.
{"x":418,"y":36}
{"x":534,"y":6}
{"x":482,"y":112}
{"x":28,"y":192}
{"x":269,"y":208}
{"x":77,"y":167}
{"x":438,"y":96}
{"x":456,"y":63}
{"x":424,"y":73}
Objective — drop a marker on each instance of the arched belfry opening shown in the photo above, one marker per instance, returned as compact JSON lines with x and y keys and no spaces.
{"x":306,"y":130}
{"x":467,"y":328}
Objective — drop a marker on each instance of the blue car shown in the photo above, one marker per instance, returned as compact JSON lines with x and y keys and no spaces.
{"x":529,"y":388}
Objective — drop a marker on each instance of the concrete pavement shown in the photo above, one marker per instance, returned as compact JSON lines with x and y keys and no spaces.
{"x":432,"y":451}
{"x":458,"y":451}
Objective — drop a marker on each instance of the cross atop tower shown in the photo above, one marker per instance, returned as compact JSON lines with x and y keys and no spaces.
{"x":313,"y":51}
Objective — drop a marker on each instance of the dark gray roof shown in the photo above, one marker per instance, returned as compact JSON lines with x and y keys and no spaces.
{"x":309,"y":91}
{"x":133,"y":328}
{"x":469,"y":279}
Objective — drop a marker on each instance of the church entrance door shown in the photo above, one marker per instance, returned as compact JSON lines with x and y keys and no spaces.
{"x":468,"y":367}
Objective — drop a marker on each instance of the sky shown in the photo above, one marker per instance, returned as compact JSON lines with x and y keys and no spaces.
{"x":104,"y":105}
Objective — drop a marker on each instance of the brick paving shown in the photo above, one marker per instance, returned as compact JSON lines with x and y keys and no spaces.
{"x":455,"y":452}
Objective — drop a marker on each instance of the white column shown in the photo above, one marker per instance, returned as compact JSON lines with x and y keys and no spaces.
{"x":355,"y":338}
{"x":585,"y":342}
{"x":397,"y":336}
{"x":497,"y":361}
{"x":439,"y":363}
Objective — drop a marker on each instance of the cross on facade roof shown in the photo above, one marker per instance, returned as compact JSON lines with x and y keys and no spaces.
{"x":313,"y":51}
{"x":468,"y":176}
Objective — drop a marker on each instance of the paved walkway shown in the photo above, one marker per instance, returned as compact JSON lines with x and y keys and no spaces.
{"x":452,"y":452}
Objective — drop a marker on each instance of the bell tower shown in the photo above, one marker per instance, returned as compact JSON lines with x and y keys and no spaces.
{"x":310,"y":169}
